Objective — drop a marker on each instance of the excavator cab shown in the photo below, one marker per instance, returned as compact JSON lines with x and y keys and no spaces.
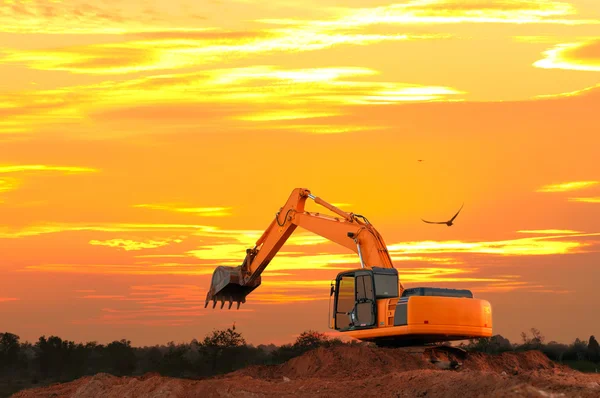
{"x":356,"y":293}
{"x":370,"y":305}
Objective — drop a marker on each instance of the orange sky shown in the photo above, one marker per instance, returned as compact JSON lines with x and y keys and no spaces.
{"x":142,"y":146}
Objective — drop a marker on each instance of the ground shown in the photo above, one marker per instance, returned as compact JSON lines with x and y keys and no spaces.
{"x":357,"y":371}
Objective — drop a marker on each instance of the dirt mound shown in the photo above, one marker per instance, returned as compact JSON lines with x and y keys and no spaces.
{"x":341,"y":362}
{"x":360,"y":371}
{"x":510,"y":362}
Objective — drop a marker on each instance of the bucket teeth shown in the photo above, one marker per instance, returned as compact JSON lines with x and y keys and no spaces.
{"x":227,"y":285}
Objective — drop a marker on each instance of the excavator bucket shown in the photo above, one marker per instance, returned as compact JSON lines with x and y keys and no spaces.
{"x":225,"y":287}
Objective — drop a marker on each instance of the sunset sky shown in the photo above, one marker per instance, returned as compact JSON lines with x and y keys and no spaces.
{"x":142,"y":144}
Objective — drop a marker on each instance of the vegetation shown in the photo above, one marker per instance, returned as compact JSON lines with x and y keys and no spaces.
{"x":52,"y":359}
{"x":581,"y":355}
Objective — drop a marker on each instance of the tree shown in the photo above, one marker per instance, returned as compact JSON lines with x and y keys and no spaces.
{"x":220,"y":341}
{"x":577,"y":350}
{"x":593,"y":350}
{"x":9,"y":350}
{"x":536,"y":342}
{"x":121,"y":357}
{"x":310,"y":339}
{"x":555,"y":351}
{"x":490,"y":345}
{"x":224,"y":339}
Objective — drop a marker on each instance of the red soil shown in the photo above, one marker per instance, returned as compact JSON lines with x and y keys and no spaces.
{"x":359,"y":371}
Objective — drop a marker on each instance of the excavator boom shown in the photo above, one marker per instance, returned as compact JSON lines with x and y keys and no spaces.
{"x":233,"y":284}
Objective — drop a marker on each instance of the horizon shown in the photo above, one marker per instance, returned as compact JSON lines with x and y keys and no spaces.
{"x":143,"y":146}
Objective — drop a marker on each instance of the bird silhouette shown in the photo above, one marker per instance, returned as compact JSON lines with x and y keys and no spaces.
{"x":419,"y":160}
{"x":449,"y":222}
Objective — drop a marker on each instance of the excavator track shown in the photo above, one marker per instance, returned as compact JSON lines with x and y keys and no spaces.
{"x":442,"y":356}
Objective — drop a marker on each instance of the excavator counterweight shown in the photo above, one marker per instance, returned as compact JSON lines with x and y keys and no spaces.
{"x":369,"y":303}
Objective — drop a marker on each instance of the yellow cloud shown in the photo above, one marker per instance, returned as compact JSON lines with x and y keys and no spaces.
{"x":450,"y":12}
{"x":286,"y":115}
{"x":202,"y":211}
{"x":548,"y":231}
{"x":567,"y":186}
{"x":518,"y":247}
{"x":575,"y":93}
{"x":129,"y":244}
{"x":446,"y":275}
{"x":261,"y":93}
{"x":323,"y":128}
{"x":583,"y":56}
{"x":40,"y":167}
{"x":123,"y":269}
{"x":52,"y":228}
{"x":428,"y":259}
{"x":536,"y":39}
{"x":8,"y":184}
{"x":586,"y":200}
{"x":153,"y":54}
{"x":84,"y":17}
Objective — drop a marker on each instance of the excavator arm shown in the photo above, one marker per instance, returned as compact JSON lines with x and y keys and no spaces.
{"x":350,"y":230}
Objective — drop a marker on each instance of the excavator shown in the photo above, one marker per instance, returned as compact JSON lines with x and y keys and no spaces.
{"x":370,"y":303}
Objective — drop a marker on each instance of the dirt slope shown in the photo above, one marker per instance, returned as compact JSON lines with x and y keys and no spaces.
{"x":354,"y":371}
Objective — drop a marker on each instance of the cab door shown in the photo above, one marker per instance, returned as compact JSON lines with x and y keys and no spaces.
{"x":354,"y":304}
{"x":365,"y":306}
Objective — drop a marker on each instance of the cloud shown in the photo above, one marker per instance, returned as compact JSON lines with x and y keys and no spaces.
{"x":586,"y":200}
{"x":545,"y":245}
{"x":240,"y":97}
{"x":200,"y":211}
{"x":187,"y":51}
{"x":128,"y":244}
{"x":124,"y":269}
{"x":450,"y":12}
{"x":8,"y":184}
{"x":53,"y":228}
{"x":152,"y":305}
{"x":40,"y":167}
{"x":204,"y":259}
{"x":6,"y":299}
{"x":567,"y":186}
{"x":585,"y":91}
{"x":583,"y":56}
{"x":83,"y":17}
{"x":549,"y":231}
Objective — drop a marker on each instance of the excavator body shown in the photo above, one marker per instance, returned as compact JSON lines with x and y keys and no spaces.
{"x":368,"y":303}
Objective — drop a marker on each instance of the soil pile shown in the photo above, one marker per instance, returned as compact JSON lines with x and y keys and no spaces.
{"x":341,"y":362}
{"x":358,"y":371}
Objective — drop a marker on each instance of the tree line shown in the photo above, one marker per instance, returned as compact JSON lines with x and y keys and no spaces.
{"x":52,"y":359}
{"x":580,"y":354}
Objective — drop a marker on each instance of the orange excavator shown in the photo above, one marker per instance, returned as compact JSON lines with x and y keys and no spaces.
{"x":369,"y":303}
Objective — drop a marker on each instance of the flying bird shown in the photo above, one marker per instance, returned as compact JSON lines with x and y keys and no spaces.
{"x":419,"y":160}
{"x":449,"y":222}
